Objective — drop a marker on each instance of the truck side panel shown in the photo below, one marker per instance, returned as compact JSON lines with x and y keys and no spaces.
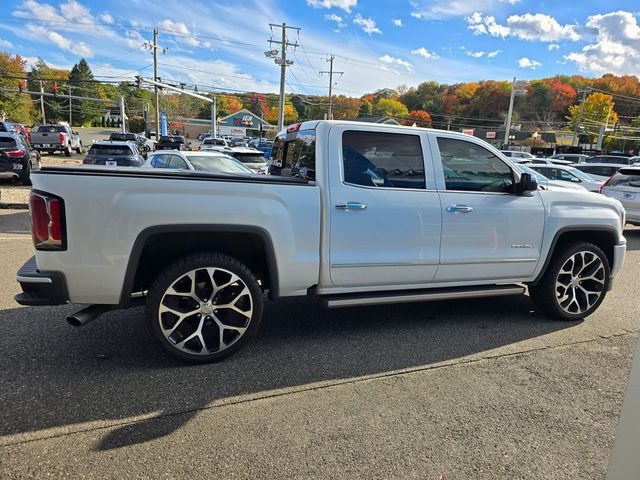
{"x":105,"y":215}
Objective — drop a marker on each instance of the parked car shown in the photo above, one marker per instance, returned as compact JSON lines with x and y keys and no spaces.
{"x":7,"y":127}
{"x":546,"y":184}
{"x":114,"y":154}
{"x":56,"y":138}
{"x":17,"y":158}
{"x":144,"y":145}
{"x":173,"y":142}
{"x":22,"y":130}
{"x":615,"y":159}
{"x":570,"y":157}
{"x":516,"y":155}
{"x":546,"y":161}
{"x":599,"y":171}
{"x":215,"y":143}
{"x":568,"y":174}
{"x":214,"y":162}
{"x":356,"y":214}
{"x":624,"y":186}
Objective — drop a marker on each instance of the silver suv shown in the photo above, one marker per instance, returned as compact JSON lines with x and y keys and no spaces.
{"x":625,"y":186}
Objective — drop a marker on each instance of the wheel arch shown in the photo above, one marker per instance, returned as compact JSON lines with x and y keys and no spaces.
{"x":161,"y":245}
{"x":604,"y":237}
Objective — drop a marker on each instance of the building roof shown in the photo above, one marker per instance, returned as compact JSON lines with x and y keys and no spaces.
{"x":241,"y":113}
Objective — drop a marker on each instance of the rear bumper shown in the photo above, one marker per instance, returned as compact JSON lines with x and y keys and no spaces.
{"x":40,"y":288}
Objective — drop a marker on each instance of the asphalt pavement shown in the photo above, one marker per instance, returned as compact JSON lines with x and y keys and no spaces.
{"x":473,"y":389}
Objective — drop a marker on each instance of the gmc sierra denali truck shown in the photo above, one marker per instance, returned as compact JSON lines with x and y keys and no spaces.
{"x":352,"y":213}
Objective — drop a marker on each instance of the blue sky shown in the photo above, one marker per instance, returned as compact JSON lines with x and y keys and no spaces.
{"x":377,"y":43}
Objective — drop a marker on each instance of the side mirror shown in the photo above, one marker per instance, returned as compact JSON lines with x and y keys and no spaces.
{"x":576,"y":180}
{"x":527,"y":184}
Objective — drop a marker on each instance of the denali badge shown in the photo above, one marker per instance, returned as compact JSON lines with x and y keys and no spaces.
{"x":523,"y":245}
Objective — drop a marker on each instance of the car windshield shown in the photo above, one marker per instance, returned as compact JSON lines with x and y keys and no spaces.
{"x":51,"y":128}
{"x":109,"y":150}
{"x":217,"y":164}
{"x":123,"y":136}
{"x":167,"y":139}
{"x":541,"y":179}
{"x":580,"y":174}
{"x":249,"y":157}
{"x":213,"y":141}
{"x":608,"y":159}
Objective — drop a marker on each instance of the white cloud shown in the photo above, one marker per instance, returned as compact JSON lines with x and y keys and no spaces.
{"x":542,"y":28}
{"x":438,"y":9}
{"x":181,"y":31}
{"x":538,"y":27}
{"x":5,"y":43}
{"x":397,"y":22}
{"x":368,"y":25}
{"x":46,"y":35}
{"x":480,"y":25}
{"x":38,"y":11}
{"x":478,"y":54}
{"x":106,"y":18}
{"x":553,"y":46}
{"x":76,"y":12}
{"x":494,"y":54}
{"x":345,"y":5}
{"x":389,"y":60}
{"x":617,"y":45}
{"x":525,"y":62}
{"x":424,"y":53}
{"x":332,"y":17}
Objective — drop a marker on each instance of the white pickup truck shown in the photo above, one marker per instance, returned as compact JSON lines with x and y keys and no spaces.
{"x":352,"y":213}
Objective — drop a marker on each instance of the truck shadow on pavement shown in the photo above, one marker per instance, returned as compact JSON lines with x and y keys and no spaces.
{"x":112,"y":371}
{"x":633,"y":238}
{"x":16,"y":223}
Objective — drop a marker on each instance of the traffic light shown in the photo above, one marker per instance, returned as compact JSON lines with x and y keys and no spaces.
{"x":21,"y":86}
{"x":138,"y":81}
{"x":55,"y":89}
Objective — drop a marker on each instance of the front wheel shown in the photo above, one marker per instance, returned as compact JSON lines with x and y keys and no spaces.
{"x":79,"y":149}
{"x":574,"y":283}
{"x":204,"y":307}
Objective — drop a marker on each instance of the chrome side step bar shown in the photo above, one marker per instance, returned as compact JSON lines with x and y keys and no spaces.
{"x":407,"y":296}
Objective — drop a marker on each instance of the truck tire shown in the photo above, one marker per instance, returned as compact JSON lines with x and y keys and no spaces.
{"x":79,"y":149}
{"x":575,"y":282}
{"x":25,"y":175}
{"x":204,"y":307}
{"x":67,"y":151}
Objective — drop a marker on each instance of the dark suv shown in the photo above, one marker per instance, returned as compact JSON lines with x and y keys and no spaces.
{"x":114,"y":154}
{"x":16,"y":157}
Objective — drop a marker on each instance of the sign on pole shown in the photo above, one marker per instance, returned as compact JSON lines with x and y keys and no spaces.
{"x":163,"y":123}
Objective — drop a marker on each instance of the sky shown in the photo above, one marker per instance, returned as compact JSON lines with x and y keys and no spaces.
{"x":376,"y":43}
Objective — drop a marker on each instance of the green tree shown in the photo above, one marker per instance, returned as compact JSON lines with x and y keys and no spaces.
{"x":391,"y":108}
{"x":598,"y":110}
{"x":82,"y":83}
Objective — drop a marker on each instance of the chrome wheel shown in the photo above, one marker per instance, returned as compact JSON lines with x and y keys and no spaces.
{"x":205,"y":311}
{"x":580,"y":282}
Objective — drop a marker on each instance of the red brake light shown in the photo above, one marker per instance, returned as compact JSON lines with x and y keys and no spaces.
{"x":293,"y":128}
{"x":47,"y":221}
{"x":61,"y":138}
{"x":15,"y":153}
{"x":605,"y":183}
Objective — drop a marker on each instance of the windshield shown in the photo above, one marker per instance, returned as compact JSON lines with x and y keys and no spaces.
{"x":249,"y":157}
{"x":214,"y":141}
{"x":122,"y":136}
{"x":51,"y":128}
{"x":217,"y":164}
{"x":167,"y":139}
{"x":541,"y":179}
{"x":581,"y":175}
{"x":109,"y":150}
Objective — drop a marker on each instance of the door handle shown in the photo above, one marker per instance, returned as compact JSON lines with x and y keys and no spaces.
{"x":459,"y":209}
{"x":351,"y":206}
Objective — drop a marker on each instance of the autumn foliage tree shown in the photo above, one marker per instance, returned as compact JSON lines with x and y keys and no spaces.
{"x":15,"y":106}
{"x":598,"y":110}
{"x":419,"y":117}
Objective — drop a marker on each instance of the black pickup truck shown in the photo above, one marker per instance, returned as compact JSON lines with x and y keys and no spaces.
{"x":173,"y":142}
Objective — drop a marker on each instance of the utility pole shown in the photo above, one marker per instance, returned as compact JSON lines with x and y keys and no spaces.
{"x":214,"y":120}
{"x":44,"y":120}
{"x":510,"y":113}
{"x":123,"y":117}
{"x":70,"y":124}
{"x":283,"y":62}
{"x":154,"y":48}
{"x":330,"y":73}
{"x":579,"y":119}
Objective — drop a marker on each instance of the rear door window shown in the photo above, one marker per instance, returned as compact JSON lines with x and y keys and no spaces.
{"x":383,"y":160}
{"x":625,"y":179}
{"x":177,"y":163}
{"x":110,"y":150}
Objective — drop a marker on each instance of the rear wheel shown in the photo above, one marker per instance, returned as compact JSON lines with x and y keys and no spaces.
{"x":79,"y":149}
{"x":67,"y":151}
{"x":204,"y":307}
{"x":25,"y":175}
{"x":575,"y":282}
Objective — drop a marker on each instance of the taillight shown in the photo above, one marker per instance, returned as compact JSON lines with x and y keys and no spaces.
{"x":15,"y":153}
{"x":294,"y":128}
{"x":605,"y":183}
{"x":47,"y":221}
{"x":61,"y":138}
